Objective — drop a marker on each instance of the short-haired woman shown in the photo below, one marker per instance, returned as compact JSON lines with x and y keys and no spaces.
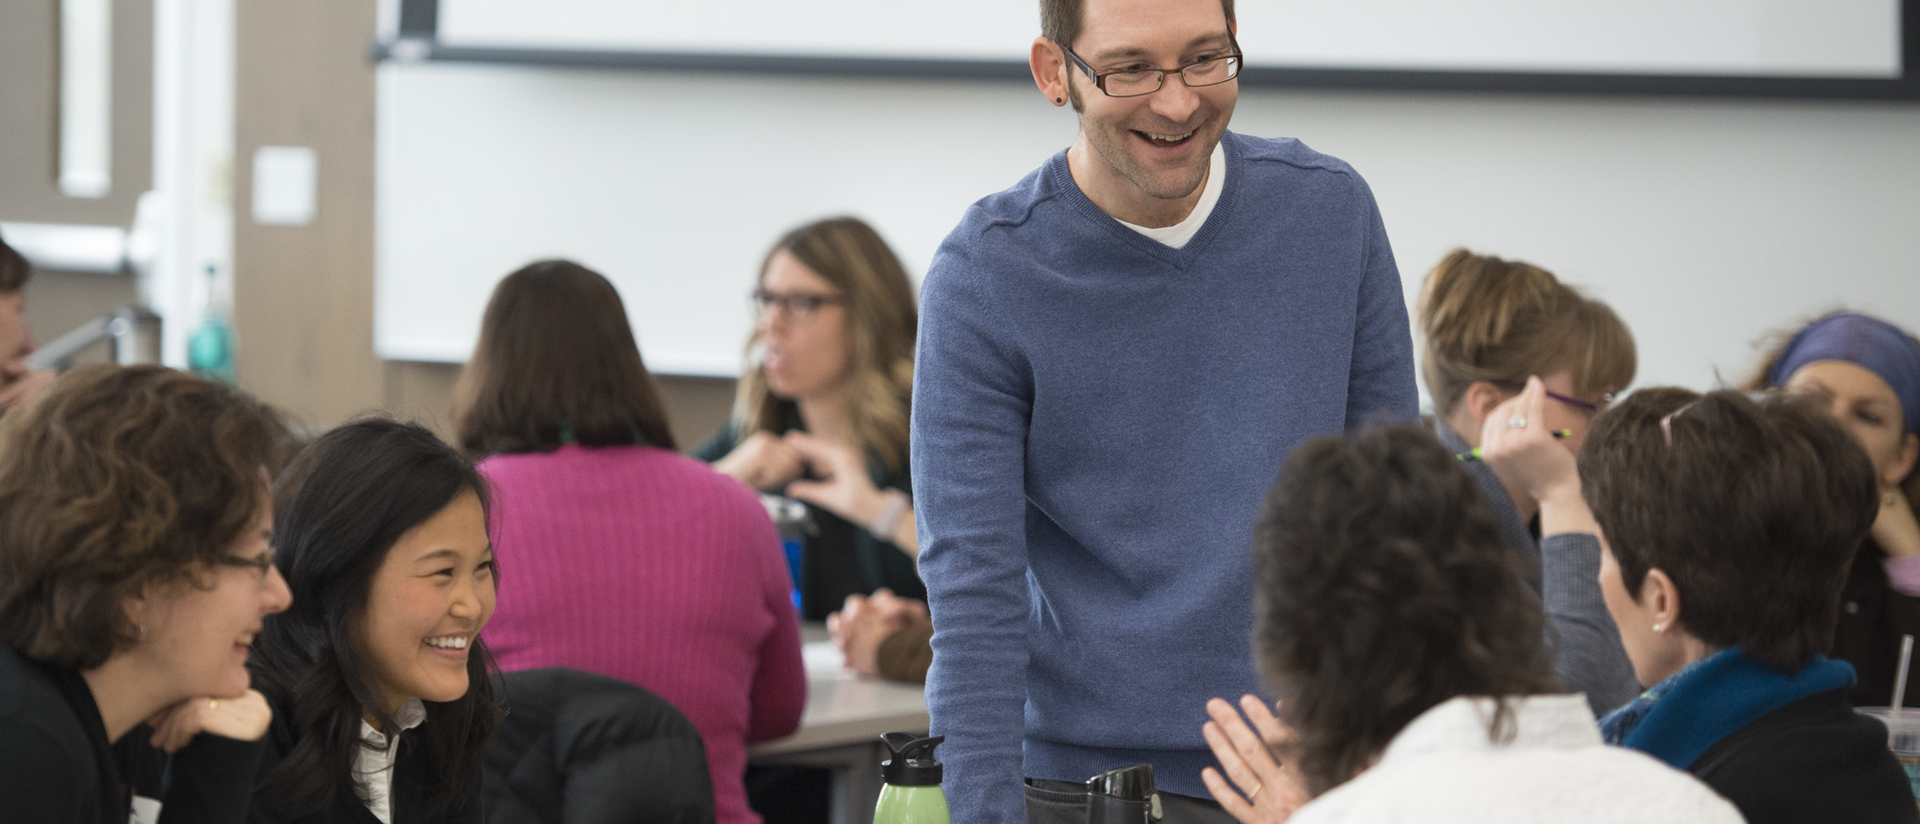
{"x":1866,"y":372}
{"x":604,"y":527}
{"x":377,"y":674}
{"x":1729,"y":524}
{"x":1394,"y":623}
{"x":134,"y":573}
{"x":822,"y":408}
{"x":1489,"y":325}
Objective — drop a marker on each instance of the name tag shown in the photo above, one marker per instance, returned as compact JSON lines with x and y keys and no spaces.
{"x":145,"y":811}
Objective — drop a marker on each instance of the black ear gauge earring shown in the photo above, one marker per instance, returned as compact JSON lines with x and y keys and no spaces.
{"x":1057,"y":101}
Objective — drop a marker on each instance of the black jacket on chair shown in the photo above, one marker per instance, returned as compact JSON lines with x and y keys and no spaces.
{"x":581,"y":748}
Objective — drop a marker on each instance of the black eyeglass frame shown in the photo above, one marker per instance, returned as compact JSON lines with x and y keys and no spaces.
{"x":800,"y":306}
{"x":1236,"y":62}
{"x":262,"y":564}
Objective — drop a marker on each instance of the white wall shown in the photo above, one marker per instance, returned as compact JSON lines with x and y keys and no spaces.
{"x":1704,"y":222}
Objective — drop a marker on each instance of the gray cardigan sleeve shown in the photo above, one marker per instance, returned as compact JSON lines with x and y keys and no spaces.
{"x":1587,"y":654}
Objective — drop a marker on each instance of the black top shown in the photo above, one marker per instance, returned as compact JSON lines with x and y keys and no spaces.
{"x":1872,"y":618}
{"x":56,"y":763}
{"x":413,"y":771}
{"x":839,"y":558}
{"x":1811,"y":760}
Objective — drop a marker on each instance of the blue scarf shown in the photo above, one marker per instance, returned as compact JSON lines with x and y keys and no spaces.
{"x":1681,"y":717}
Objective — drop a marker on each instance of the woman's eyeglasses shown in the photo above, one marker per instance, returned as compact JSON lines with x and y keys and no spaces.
{"x":260,"y":564}
{"x":1592,"y":408}
{"x":798,"y":306}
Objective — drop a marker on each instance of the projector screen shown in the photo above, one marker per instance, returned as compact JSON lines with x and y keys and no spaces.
{"x":1857,"y":39}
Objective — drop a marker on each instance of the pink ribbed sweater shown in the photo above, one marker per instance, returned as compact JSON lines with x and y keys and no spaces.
{"x":643,"y":565}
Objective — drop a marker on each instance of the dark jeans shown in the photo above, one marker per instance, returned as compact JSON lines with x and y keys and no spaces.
{"x":1065,"y":802}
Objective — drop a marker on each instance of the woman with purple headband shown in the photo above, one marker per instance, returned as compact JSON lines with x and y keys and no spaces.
{"x":1867,"y":372}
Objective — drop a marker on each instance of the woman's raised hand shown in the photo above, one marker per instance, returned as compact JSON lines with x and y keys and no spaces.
{"x":1262,"y":790}
{"x":1526,"y":455}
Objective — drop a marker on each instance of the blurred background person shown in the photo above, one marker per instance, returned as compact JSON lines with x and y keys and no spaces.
{"x":1394,"y":623}
{"x":1728,"y":527}
{"x":1488,"y":325}
{"x":135,"y":572}
{"x":1866,"y":372}
{"x":626,"y":558}
{"x":17,"y":381}
{"x":822,"y":408}
{"x":378,"y":675}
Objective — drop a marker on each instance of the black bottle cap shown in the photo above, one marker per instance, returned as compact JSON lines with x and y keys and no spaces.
{"x":912,"y":764}
{"x":1133,"y":783}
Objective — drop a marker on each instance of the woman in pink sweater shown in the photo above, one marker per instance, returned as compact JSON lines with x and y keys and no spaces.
{"x":618,"y":555}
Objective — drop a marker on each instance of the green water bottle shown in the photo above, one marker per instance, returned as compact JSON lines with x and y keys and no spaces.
{"x":911,"y":794}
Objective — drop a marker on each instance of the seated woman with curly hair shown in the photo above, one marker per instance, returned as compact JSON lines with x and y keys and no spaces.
{"x":1397,"y":627}
{"x":134,"y":573}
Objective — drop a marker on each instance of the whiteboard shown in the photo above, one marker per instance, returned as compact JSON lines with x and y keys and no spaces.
{"x":672,"y":185}
{"x":1740,"y":38}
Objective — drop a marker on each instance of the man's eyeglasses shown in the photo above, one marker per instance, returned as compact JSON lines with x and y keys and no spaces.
{"x":260,"y":564}
{"x":799,"y":306}
{"x":1138,"y":82}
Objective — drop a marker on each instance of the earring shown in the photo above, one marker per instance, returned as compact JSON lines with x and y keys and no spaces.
{"x":143,"y":632}
{"x":1057,"y":101}
{"x":1659,"y":627}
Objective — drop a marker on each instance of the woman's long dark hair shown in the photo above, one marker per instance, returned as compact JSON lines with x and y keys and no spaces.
{"x":556,"y":363}
{"x":337,"y":511}
{"x":1382,"y":588}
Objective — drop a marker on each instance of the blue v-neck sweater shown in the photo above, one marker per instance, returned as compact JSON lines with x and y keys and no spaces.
{"x":1096,"y":420}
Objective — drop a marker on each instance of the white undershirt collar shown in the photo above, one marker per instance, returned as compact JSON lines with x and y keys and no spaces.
{"x":1180,"y":233}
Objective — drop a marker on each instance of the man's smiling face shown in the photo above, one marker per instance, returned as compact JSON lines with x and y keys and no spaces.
{"x":1152,"y":149}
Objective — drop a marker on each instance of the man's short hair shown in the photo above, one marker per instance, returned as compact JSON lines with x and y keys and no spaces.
{"x":14,"y":269}
{"x":1753,"y":507}
{"x":1062,"y":20}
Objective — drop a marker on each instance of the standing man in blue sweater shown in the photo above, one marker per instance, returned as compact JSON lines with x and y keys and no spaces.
{"x":1116,"y":355}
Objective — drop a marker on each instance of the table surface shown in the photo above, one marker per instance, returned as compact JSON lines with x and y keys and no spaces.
{"x":844,"y":707}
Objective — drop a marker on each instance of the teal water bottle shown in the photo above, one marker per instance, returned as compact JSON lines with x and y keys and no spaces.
{"x":210,"y":348}
{"x":911,"y":794}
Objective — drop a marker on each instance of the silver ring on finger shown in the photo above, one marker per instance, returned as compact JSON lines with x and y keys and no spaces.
{"x":1517,"y":422}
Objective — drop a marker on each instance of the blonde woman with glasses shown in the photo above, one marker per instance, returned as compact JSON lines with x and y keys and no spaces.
{"x":821,"y":413}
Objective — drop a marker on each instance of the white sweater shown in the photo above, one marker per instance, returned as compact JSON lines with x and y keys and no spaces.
{"x":1443,"y":768}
